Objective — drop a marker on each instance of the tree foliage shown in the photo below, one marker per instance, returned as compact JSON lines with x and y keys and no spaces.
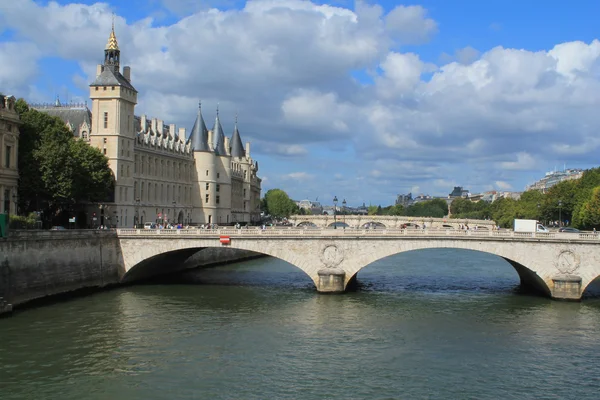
{"x":589,"y":212}
{"x":278,"y":204}
{"x":56,"y":171}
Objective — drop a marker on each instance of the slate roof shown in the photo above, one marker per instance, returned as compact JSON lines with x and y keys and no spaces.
{"x":237,"y":148}
{"x":108,"y":77}
{"x":199,"y":134}
{"x":76,"y":116}
{"x":218,"y":138}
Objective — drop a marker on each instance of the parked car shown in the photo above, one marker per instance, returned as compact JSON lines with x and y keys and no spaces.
{"x":58,"y":228}
{"x":569,"y":229}
{"x":149,"y":225}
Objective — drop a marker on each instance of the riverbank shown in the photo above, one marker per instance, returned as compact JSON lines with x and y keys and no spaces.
{"x":41,"y":265}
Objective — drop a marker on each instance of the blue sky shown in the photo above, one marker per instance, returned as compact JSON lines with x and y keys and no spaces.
{"x":361,"y":100}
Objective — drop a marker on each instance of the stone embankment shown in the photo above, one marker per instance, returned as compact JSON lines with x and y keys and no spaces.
{"x":39,"y":264}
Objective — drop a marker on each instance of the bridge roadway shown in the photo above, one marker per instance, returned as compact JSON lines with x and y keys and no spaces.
{"x":558,"y":265}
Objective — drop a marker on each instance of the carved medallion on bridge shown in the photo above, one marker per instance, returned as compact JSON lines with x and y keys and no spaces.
{"x":567,"y":262}
{"x":331,"y":255}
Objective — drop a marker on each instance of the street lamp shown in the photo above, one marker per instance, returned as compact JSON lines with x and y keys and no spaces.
{"x":137,"y":213}
{"x":559,"y":213}
{"x":335,"y":200}
{"x":344,"y":212}
{"x":15,"y":198}
{"x":175,"y":219}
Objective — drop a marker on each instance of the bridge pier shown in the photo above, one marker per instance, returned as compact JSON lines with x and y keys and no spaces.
{"x":331,"y":281}
{"x":566,"y":287}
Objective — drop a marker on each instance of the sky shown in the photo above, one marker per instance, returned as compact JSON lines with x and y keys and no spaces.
{"x":362,"y":100}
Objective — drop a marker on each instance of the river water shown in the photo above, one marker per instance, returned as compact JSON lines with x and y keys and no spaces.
{"x":431,"y":324}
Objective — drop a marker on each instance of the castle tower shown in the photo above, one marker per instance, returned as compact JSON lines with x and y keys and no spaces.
{"x":204,"y":185}
{"x":222,"y":194}
{"x":113,"y":103}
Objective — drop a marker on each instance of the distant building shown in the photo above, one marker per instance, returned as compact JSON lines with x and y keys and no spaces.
{"x":459,"y":192}
{"x":404,"y":200}
{"x":554,"y":177}
{"x":311,"y":207}
{"x":422,"y":197}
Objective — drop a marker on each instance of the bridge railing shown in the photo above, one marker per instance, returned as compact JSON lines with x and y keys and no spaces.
{"x":393,"y":232}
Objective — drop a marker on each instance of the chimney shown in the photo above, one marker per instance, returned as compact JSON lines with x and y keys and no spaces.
{"x":127,"y":73}
{"x":248,"y":149}
{"x":153,"y":125}
{"x":143,"y":123}
{"x":159,"y":127}
{"x":226,"y":143}
{"x":182,"y":134}
{"x":172,"y":131}
{"x":99,"y":69}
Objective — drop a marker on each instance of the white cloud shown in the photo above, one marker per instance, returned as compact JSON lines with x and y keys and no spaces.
{"x":299,"y":176}
{"x":524,"y":162}
{"x":410,"y":25}
{"x":287,"y":67}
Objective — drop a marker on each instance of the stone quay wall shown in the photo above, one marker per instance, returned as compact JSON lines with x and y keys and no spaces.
{"x":38,"y":264}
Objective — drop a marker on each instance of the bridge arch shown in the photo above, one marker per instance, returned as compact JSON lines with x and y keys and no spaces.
{"x":373,"y":225}
{"x":307,"y":224}
{"x":157,"y":257}
{"x":338,"y":225}
{"x":528,"y":274}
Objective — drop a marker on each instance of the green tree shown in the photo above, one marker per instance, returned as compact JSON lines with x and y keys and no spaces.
{"x":56,"y":171}
{"x":589,"y":212}
{"x":279,"y":204}
{"x":372,"y":210}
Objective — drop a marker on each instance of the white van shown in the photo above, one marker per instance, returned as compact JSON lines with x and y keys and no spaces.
{"x":149,"y":225}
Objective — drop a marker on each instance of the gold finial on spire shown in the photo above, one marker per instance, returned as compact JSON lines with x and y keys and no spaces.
{"x":112,"y":39}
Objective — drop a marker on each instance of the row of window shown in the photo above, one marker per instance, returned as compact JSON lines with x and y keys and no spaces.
{"x":153,"y":166}
{"x":153,"y":192}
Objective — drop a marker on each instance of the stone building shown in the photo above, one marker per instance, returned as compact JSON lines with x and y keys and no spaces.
{"x":9,"y":142}
{"x":161,"y":174}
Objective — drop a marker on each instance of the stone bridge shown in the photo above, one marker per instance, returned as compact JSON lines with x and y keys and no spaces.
{"x":385,"y":221}
{"x":558,"y":265}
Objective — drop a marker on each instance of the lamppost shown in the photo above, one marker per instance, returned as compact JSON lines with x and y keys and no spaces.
{"x":137,"y":213}
{"x":175,"y":219}
{"x":101,"y":214}
{"x":559,"y":213}
{"x":15,"y":198}
{"x":344,"y":212}
{"x":538,"y":208}
{"x":335,"y":200}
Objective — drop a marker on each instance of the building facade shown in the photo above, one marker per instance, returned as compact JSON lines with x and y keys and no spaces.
{"x":553,"y":177}
{"x":9,"y":142}
{"x":161,"y":174}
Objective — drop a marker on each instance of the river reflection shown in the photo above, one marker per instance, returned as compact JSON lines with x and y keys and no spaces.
{"x":258,"y":330}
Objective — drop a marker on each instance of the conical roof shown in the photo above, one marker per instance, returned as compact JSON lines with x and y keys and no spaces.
{"x":237,"y":148}
{"x":199,"y":135}
{"x":218,"y":137}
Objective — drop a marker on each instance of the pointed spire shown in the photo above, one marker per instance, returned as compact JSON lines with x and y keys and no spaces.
{"x":218,"y":136}
{"x":237,"y":148}
{"x":199,"y":135}
{"x":112,"y":39}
